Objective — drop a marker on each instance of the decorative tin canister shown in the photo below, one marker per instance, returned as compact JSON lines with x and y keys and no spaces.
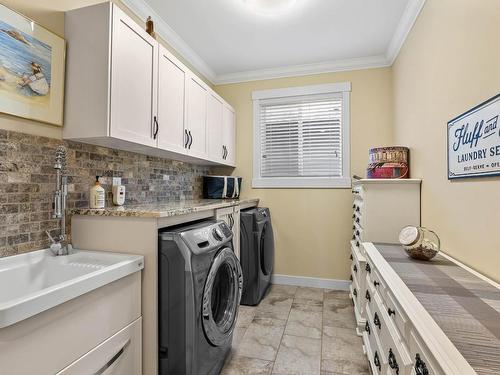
{"x":388,"y":162}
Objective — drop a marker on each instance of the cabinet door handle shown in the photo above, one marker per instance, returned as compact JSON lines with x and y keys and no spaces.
{"x":190,"y":139}
{"x":155,"y":128}
{"x":376,"y":361}
{"x":227,"y":152}
{"x":187,"y":138}
{"x":420,"y":367}
{"x":223,"y":151}
{"x":376,"y":321}
{"x":368,"y":296}
{"x":113,"y":359}
{"x":392,"y":361}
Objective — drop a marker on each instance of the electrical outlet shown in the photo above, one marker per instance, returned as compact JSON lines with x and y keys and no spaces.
{"x":117,"y":181}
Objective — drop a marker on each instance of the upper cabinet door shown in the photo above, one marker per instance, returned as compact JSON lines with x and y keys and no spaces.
{"x":134,"y":59}
{"x":171,"y":100}
{"x":229,"y":135}
{"x":214,"y":129}
{"x":196,"y":116}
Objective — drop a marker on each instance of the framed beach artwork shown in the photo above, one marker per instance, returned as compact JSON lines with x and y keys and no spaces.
{"x":31,"y":69}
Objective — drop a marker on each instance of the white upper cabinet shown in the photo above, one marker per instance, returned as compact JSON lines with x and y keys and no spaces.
{"x":171,"y":103}
{"x":124,"y":90}
{"x":196,"y":117}
{"x":214,"y":128}
{"x":134,"y":59}
{"x":229,"y":135}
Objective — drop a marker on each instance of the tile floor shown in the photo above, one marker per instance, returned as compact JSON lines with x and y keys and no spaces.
{"x":297,"y":331}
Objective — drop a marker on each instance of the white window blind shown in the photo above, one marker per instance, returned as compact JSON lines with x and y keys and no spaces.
{"x":301,"y":137}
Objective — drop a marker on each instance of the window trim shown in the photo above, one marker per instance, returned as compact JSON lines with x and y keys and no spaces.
{"x":343,"y":182}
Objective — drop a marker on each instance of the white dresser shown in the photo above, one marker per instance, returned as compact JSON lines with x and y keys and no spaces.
{"x":381,"y":208}
{"x":428,"y":317}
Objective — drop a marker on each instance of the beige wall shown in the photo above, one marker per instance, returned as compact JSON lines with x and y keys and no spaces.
{"x":313,"y":226}
{"x":50,"y":14}
{"x":450,"y":63}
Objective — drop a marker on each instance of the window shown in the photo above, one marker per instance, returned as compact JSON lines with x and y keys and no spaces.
{"x":301,"y":137}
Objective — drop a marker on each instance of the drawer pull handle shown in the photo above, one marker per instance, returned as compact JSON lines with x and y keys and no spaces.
{"x":392,"y":362}
{"x":357,"y":243}
{"x":355,"y":268}
{"x":350,"y":277}
{"x":367,"y":296}
{"x":420,"y":367}
{"x":350,"y":257}
{"x":353,"y":216}
{"x":367,"y":328}
{"x":353,"y":206}
{"x":353,"y":227}
{"x":376,"y":361}
{"x":376,"y":321}
{"x":355,"y":292}
{"x":353,"y":237}
{"x":113,"y":359}
{"x":375,"y":283}
{"x":357,"y":209}
{"x":357,"y":233}
{"x":357,"y":220}
{"x":368,"y":268}
{"x":391,"y":312}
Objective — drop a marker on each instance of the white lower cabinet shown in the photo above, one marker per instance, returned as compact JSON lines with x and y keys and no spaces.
{"x":79,"y":336}
{"x":231,"y":216}
{"x":121,"y":354}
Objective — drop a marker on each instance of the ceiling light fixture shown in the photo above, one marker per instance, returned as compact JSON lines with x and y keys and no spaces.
{"x":270,"y":7}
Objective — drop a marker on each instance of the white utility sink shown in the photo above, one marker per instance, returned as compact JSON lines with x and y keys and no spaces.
{"x":34,"y":282}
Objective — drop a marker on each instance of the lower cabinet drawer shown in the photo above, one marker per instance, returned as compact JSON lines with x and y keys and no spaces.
{"x":121,"y":354}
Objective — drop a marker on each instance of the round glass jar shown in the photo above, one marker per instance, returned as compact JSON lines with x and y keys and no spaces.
{"x":419,"y":242}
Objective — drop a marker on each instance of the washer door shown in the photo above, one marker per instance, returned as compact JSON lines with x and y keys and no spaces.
{"x":221,"y":297}
{"x":267,"y":249}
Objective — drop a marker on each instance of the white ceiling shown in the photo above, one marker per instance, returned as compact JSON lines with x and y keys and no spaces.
{"x":228,"y":41}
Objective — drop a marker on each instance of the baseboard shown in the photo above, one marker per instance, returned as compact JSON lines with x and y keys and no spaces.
{"x":313,"y":282}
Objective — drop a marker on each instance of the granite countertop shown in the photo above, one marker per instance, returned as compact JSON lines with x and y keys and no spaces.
{"x":163,"y":209}
{"x":464,"y":306}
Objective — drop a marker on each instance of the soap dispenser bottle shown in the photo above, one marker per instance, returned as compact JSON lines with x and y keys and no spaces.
{"x":97,"y":195}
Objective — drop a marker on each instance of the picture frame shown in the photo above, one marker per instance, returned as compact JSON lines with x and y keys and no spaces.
{"x":473,"y":141}
{"x":32,"y":68}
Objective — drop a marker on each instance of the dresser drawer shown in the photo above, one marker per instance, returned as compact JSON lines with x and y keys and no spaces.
{"x":374,"y":279}
{"x":397,"y":314}
{"x":393,"y":347}
{"x":423,"y":361}
{"x":374,"y":351}
{"x":357,"y":232}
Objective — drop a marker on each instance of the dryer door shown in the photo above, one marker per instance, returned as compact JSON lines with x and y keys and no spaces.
{"x":267,"y":248}
{"x":221,"y":297}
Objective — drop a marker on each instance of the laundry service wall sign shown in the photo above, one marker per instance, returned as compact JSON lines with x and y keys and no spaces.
{"x":474,"y":141}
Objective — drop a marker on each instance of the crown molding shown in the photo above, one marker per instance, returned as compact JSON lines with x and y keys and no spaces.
{"x":410,"y":15}
{"x":408,"y":19}
{"x":302,"y":70}
{"x":163,"y":29}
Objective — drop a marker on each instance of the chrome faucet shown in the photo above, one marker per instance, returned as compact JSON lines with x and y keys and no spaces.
{"x":60,"y":245}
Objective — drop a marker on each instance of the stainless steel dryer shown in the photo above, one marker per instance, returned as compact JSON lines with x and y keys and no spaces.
{"x":256,"y":253}
{"x":199,"y":290}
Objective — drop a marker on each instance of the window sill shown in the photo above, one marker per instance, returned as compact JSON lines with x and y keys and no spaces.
{"x":301,"y":183}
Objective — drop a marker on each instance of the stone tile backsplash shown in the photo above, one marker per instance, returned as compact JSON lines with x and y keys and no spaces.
{"x":27,"y":183}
